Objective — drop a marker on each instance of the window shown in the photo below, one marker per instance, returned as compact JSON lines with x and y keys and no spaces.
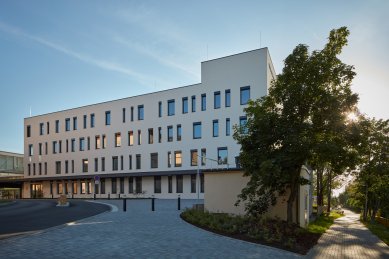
{"x":45,"y":168}
{"x":169,"y":159}
{"x":85,"y":121}
{"x":121,"y":185}
{"x":73,"y":144}
{"x":33,"y":166}
{"x":67,"y":124}
{"x":130,"y":138}
{"x":115,"y":163}
{"x":75,"y":187}
{"x":103,"y":164}
{"x":97,"y":142}
{"x":104,"y":141}
{"x":244,"y":95}
{"x":141,"y":112}
{"x":157,"y":184}
{"x":160,"y":109}
{"x":222,"y":155}
{"x":179,"y":132}
{"x":55,"y":147}
{"x":83,"y":187}
{"x":215,"y":128}
{"x":40,"y":168}
{"x":92,"y":120}
{"x":228,"y":98}
{"x":197,"y":130}
{"x":242,"y":124}
{"x":74,"y":123}
{"x":85,"y":165}
{"x":57,"y":126}
{"x":177,"y":159}
{"x":124,"y":115}
{"x":48,"y":127}
{"x":216,"y":100}
{"x":193,"y":103}
{"x":139,"y":137}
{"x":179,"y":182}
{"x":159,"y":134}
{"x":40,"y":149}
{"x":108,"y":118}
{"x":138,"y":184}
{"x":170,"y":183}
{"x":41,"y":128}
{"x":96,"y":164}
{"x":102,"y":186}
{"x":67,"y":146}
{"x":138,"y":161}
{"x":203,"y":156}
{"x":170,"y":133}
{"x":151,"y":136}
{"x":30,"y":150}
{"x":154,"y":160}
{"x":202,"y":183}
{"x":113,"y":185}
{"x":59,"y":188}
{"x":72,"y":166}
{"x":82,"y":144}
{"x":203,"y":102}
{"x":46,"y":148}
{"x":132,"y":113}
{"x":28,"y":131}
{"x":29,"y":169}
{"x":170,"y":107}
{"x":58,"y":167}
{"x":193,"y":183}
{"x":60,"y":146}
{"x":121,"y":163}
{"x":130,"y":162}
{"x":185,"y":105}
{"x":88,"y":144}
{"x":193,"y":157}
{"x":118,"y":139}
{"x":130,"y":184}
{"x":228,"y":127}
{"x":66,"y":166}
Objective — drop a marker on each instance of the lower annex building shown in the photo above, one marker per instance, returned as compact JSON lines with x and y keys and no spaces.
{"x":152,"y":144}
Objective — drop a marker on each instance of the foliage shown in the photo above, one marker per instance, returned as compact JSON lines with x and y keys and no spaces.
{"x":301,"y":120}
{"x":379,"y":230}
{"x":323,"y":222}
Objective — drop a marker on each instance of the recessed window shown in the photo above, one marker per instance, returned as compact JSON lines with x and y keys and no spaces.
{"x":159,"y":109}
{"x":138,"y":184}
{"x":242,"y":124}
{"x":67,"y":124}
{"x":222,"y":155}
{"x":55,"y":147}
{"x":103,"y":164}
{"x":159,"y":134}
{"x":115,"y":163}
{"x":130,"y":162}
{"x":48,"y":127}
{"x":104,"y":141}
{"x":96,"y":164}
{"x":193,"y":103}
{"x":179,"y":183}
{"x":74,"y":123}
{"x":85,"y":165}
{"x":177,"y":159}
{"x":228,"y":98}
{"x":169,"y":159}
{"x":138,"y":161}
{"x":41,"y":128}
{"x":121,"y":163}
{"x":28,"y":131}
{"x":139,"y":137}
{"x":58,"y":167}
{"x":85,"y":121}
{"x":193,"y":183}
{"x":60,"y":146}
{"x":193,"y":157}
{"x":131,"y":138}
{"x":97,"y":142}
{"x":92,"y":120}
{"x":73,"y":145}
{"x":108,"y":118}
{"x":215,"y":128}
{"x":170,"y":107}
{"x":170,"y":133}
{"x":203,"y":156}
{"x":154,"y":160}
{"x":244,"y":95}
{"x":132,"y":113}
{"x":228,"y":127}
{"x":179,"y":132}
{"x":124,"y":115}
{"x":185,"y":105}
{"x":113,"y":185}
{"x":118,"y":139}
{"x":203,"y":102}
{"x":151,"y":136}
{"x":130,"y":184}
{"x":170,"y":184}
{"x":121,"y":185}
{"x":157,"y":184}
{"x":216,"y":100}
{"x":82,"y":144}
{"x":141,"y":112}
{"x":197,"y":130}
{"x":40,"y":149}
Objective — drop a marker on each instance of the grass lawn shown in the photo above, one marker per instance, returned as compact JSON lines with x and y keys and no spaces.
{"x":379,"y":230}
{"x":271,"y":232}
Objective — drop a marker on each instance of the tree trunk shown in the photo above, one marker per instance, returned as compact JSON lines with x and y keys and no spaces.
{"x":365,"y":209}
{"x":375,"y":209}
{"x":319,"y":191}
{"x":329,"y":191}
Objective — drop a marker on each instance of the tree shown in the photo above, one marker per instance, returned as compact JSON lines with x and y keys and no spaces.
{"x":306,"y":106}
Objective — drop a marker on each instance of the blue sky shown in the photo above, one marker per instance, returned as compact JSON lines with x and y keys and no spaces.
{"x":56,"y":55}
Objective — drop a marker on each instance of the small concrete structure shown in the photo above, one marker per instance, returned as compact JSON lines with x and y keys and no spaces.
{"x":222,"y":188}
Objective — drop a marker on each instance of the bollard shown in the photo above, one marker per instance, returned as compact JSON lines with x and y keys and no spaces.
{"x":152,"y":204}
{"x":109,"y":196}
{"x":124,"y":204}
{"x":94,"y":196}
{"x":119,"y":195}
{"x":179,"y":203}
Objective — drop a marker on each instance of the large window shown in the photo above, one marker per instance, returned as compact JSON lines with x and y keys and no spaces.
{"x":215,"y":128}
{"x":82,"y":144}
{"x":171,"y":107}
{"x":157,"y":184}
{"x":216,"y":100}
{"x":193,"y":103}
{"x":114,"y":185}
{"x":115,"y":163}
{"x":141,"y":112}
{"x":203,"y":102}
{"x":131,"y":138}
{"x":58,"y":167}
{"x":228,"y":127}
{"x":118,"y":139}
{"x":244,"y":95}
{"x":228,"y":98}
{"x":138,"y":184}
{"x":222,"y":155}
{"x":179,"y":182}
{"x":185,"y":105}
{"x":85,"y":165}
{"x":197,"y":130}
{"x":170,"y":133}
{"x":97,"y":142}
{"x":108,"y":118}
{"x":138,"y":161}
{"x":177,"y":159}
{"x":193,"y":157}
{"x":151,"y":136}
{"x":179,"y":132}
{"x":67,"y":124}
{"x":154,"y":160}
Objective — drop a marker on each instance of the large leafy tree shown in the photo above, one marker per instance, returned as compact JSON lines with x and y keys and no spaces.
{"x":299,"y":121}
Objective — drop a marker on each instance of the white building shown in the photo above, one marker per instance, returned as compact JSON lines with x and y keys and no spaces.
{"x":152,"y":144}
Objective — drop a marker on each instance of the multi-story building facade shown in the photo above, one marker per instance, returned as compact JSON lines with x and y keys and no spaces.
{"x":152,"y":144}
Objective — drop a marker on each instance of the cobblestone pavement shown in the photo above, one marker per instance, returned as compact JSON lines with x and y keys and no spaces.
{"x":137,"y":233}
{"x":349,"y":238}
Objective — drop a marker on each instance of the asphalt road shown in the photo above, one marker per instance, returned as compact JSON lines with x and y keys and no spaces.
{"x":24,"y":216}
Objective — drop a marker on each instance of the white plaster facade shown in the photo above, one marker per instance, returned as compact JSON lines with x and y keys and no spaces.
{"x":252,"y":69}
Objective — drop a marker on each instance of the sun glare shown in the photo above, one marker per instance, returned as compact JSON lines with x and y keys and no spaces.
{"x":352,"y":116}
